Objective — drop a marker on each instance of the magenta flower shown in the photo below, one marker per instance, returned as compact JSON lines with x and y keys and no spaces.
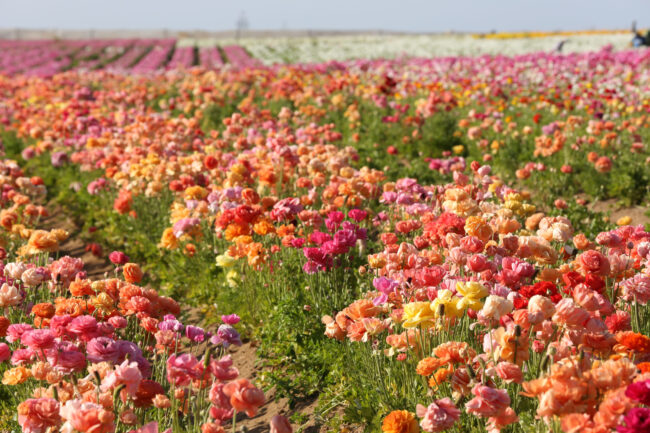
{"x":637,"y":420}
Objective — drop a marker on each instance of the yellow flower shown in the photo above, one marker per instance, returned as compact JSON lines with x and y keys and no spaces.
{"x":232,"y":278}
{"x":225,"y":260}
{"x":449,"y":304}
{"x":418,"y":313}
{"x":471,"y":289}
{"x":624,"y":221}
{"x":472,"y":293}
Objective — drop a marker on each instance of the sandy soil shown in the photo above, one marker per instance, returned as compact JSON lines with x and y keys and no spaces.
{"x":637,"y":213}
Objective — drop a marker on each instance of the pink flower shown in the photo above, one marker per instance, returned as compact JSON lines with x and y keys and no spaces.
{"x":87,"y":417}
{"x":128,"y":374}
{"x":5,"y":352}
{"x":487,"y":401}
{"x":38,"y":339}
{"x":639,"y":391}
{"x":637,"y":420}
{"x":118,"y":322}
{"x":23,"y":356}
{"x":223,"y":369}
{"x":231,"y":319}
{"x":440,"y":415}
{"x":67,"y":361}
{"x":15,"y":331}
{"x":222,"y":408}
{"x":280,"y":424}
{"x":118,"y":258}
{"x":182,"y":369}
{"x":84,"y":327}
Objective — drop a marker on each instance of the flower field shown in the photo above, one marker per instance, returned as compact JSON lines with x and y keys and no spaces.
{"x":316,"y":49}
{"x":135,"y":56}
{"x":406,"y":245}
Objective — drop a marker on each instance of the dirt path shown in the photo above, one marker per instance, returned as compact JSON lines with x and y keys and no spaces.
{"x":96,"y":267}
{"x":636,"y":213}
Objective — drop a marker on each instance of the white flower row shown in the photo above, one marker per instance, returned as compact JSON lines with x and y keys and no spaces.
{"x":320,"y":49}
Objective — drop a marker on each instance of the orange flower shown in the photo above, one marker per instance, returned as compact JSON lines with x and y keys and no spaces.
{"x":42,"y":241}
{"x":44,"y":309}
{"x":237,"y":229}
{"x":476,"y":226}
{"x":644,"y":367}
{"x":428,"y":365}
{"x":400,"y":421}
{"x":168,"y":239}
{"x":440,"y":377}
{"x":454,"y":352}
{"x":132,"y":273}
{"x":362,"y":308}
{"x":16,"y":375}
{"x":633,"y":341}
{"x":81,"y":288}
{"x":263,"y":227}
{"x":72,"y":306}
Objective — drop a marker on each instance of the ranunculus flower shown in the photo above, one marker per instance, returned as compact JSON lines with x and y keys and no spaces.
{"x":87,"y":417}
{"x":639,"y":391}
{"x":418,"y":314}
{"x":244,"y":396}
{"x":637,"y":420}
{"x":509,"y":372}
{"x":132,"y":273}
{"x":182,"y":369}
{"x":118,"y":258}
{"x":37,"y":415}
{"x":440,"y":415}
{"x":5,"y":352}
{"x":127,"y":374}
{"x":280,"y":424}
{"x":487,"y":401}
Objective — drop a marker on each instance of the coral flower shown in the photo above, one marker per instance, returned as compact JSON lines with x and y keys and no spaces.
{"x":37,"y":415}
{"x":244,"y":396}
{"x":87,"y":417}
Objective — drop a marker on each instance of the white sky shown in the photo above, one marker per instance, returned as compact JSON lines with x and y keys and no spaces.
{"x":403,"y":15}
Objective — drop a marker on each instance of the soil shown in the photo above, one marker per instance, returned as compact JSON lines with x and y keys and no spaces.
{"x":611,"y":207}
{"x":74,"y":246}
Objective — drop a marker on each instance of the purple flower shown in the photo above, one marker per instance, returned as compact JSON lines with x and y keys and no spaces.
{"x":194,"y":333}
{"x":226,"y":335}
{"x":171,"y":325}
{"x":102,"y":349}
{"x":184,"y":225}
{"x":59,"y":158}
